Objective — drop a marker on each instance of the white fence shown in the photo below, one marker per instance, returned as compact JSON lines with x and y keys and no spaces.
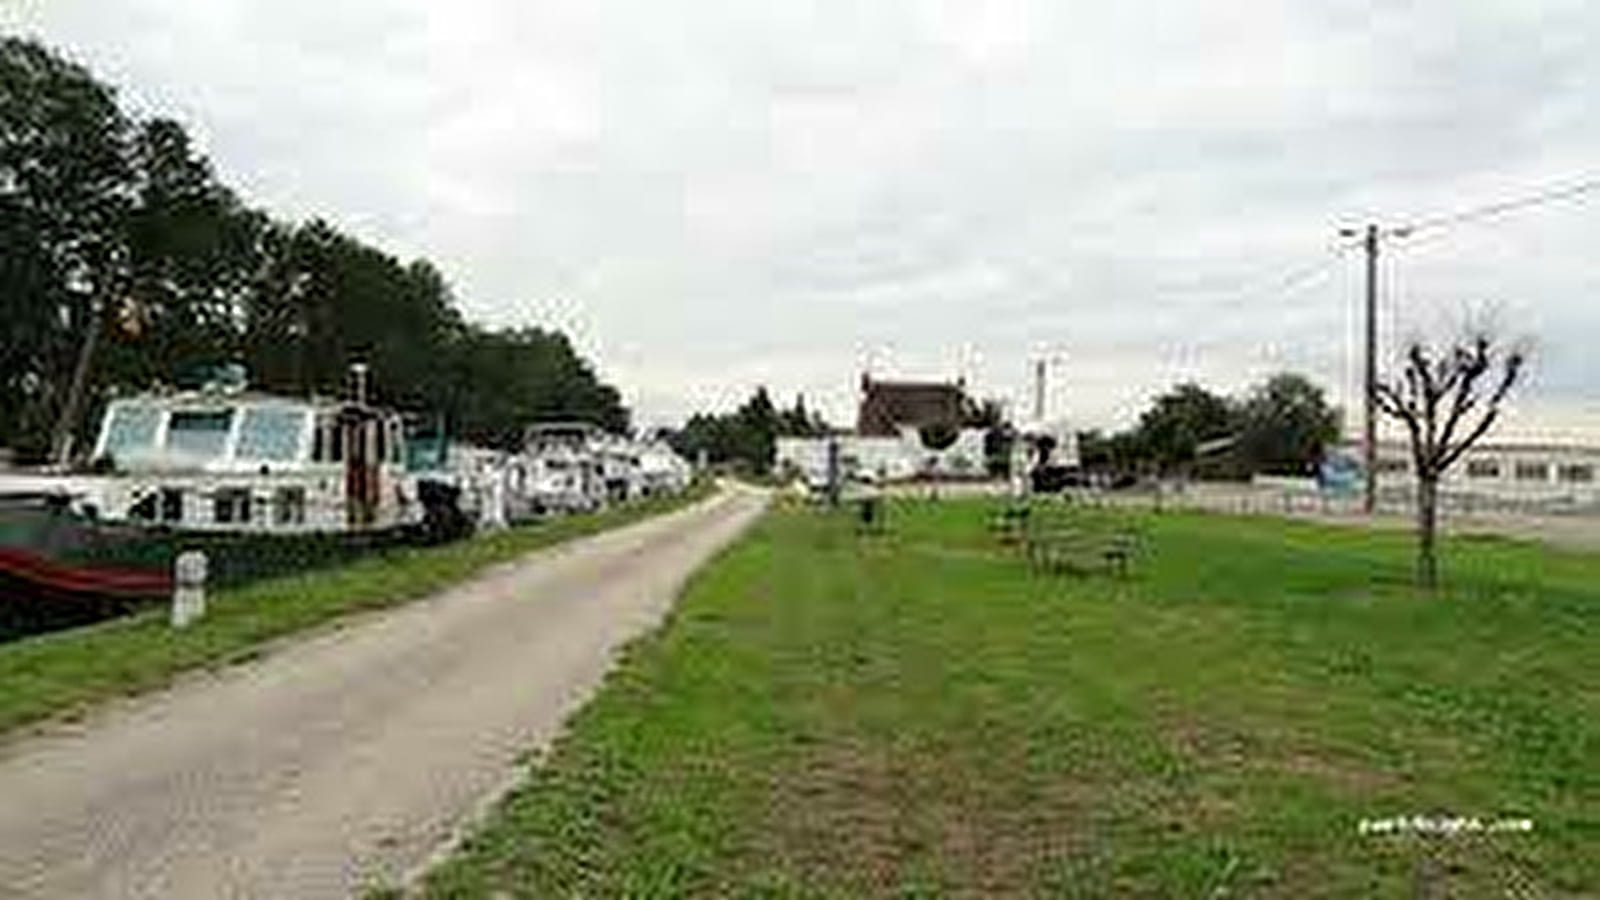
{"x":1301,"y":499}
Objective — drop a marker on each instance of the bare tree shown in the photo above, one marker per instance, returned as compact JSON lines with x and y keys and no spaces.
{"x":1447,"y":400}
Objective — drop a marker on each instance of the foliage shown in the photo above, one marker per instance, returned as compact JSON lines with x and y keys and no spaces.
{"x":120,"y":240}
{"x":938,"y":435}
{"x":1280,"y":426}
{"x":746,"y":437}
{"x":915,"y":714}
{"x":1446,"y":406}
{"x":1180,"y":420}
{"x":1284,"y":424}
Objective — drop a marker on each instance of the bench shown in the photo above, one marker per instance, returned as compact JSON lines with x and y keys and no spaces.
{"x":1069,"y":548}
{"x":1010,"y":523}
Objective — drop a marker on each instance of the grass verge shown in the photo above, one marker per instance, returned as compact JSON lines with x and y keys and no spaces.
{"x":59,"y":675}
{"x":917,"y":714}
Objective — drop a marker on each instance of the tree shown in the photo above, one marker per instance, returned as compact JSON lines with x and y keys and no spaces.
{"x":748,"y":435}
{"x":126,"y":262}
{"x":799,"y":421}
{"x":1284,"y":424}
{"x":1447,"y":399}
{"x":66,"y":183}
{"x":755,"y":440}
{"x":1180,"y":421}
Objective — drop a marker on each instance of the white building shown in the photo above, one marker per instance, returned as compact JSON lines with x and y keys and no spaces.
{"x":898,"y":458}
{"x":1517,"y":469}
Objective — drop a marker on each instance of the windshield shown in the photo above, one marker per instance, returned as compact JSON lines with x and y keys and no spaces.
{"x":199,"y":434}
{"x":271,"y":433}
{"x":131,"y":428}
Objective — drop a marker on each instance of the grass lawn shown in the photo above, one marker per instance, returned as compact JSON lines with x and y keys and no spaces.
{"x":916,"y":714}
{"x":60,"y":674}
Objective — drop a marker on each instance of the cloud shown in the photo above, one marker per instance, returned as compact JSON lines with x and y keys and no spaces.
{"x":716,"y":194}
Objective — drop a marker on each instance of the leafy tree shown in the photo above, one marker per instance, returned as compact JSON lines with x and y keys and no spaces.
{"x":1284,"y":424}
{"x":127,"y":262}
{"x":755,"y":437}
{"x":66,"y":185}
{"x":1180,"y":420}
{"x":747,"y":436}
{"x":798,"y":421}
{"x":1447,"y":399}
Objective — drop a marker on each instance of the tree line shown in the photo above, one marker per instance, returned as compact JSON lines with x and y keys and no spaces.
{"x":747,"y":437}
{"x":1279,"y":427}
{"x":127,"y":263}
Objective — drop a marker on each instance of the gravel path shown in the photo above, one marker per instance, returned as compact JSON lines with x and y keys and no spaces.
{"x":345,"y":760}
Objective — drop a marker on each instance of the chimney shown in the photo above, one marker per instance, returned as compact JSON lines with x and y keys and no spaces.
{"x":1038,"y":390}
{"x":358,"y":383}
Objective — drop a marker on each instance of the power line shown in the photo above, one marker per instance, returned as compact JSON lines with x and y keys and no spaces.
{"x":1502,"y":207}
{"x":1289,"y":281}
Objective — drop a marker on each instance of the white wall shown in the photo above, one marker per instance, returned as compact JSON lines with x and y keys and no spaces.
{"x":1524,"y":471}
{"x":889,"y":458}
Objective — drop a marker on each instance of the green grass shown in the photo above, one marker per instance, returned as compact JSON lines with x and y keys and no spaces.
{"x":59,"y":675}
{"x":916,"y":714}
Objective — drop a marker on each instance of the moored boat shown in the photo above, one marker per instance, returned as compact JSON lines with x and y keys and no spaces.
{"x":263,"y":484}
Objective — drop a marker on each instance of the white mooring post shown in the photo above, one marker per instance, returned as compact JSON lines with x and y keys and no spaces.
{"x":188,"y":588}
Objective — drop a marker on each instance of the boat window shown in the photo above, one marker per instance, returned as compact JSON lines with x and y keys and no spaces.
{"x":333,"y":444}
{"x":270,"y":432}
{"x":132,"y":427}
{"x":200,"y":434}
{"x":1579,"y":473}
{"x":144,"y":509}
{"x":1533,"y":471}
{"x":171,"y":505}
{"x":231,"y":506}
{"x":290,"y":505}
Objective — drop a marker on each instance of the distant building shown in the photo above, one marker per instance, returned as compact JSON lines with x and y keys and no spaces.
{"x":1534,"y":470}
{"x":886,"y":406}
{"x":889,"y":443}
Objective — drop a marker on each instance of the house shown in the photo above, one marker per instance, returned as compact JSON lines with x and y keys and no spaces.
{"x":904,"y":430}
{"x":886,"y":406}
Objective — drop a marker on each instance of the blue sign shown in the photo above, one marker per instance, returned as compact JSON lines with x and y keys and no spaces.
{"x":1340,"y":473}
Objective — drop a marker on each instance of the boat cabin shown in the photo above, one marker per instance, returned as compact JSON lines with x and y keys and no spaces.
{"x":253,"y":462}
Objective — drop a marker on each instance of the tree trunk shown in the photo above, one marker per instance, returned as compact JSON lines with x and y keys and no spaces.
{"x":1427,"y":532}
{"x":61,"y":441}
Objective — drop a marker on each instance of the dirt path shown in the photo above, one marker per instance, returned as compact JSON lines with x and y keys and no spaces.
{"x":344,"y":761}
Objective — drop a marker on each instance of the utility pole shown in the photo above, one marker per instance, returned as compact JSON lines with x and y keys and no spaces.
{"x":1038,"y":391}
{"x":1370,"y":239}
{"x":1369,"y":243}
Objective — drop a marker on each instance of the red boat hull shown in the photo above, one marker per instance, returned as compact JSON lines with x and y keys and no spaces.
{"x":55,"y":578}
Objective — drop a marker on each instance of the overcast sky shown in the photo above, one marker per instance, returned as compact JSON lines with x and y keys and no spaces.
{"x":713,"y":194}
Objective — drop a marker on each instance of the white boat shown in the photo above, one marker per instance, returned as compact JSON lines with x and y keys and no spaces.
{"x":262,"y":484}
{"x":212,"y":460}
{"x":661,"y":469}
{"x":564,"y":470}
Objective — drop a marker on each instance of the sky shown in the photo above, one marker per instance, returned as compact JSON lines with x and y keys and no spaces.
{"x":717,"y":194}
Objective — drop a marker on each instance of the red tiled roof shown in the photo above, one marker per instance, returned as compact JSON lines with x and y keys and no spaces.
{"x":887,"y":405}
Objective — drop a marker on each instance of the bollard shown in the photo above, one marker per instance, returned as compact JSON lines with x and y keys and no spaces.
{"x":188,"y":588}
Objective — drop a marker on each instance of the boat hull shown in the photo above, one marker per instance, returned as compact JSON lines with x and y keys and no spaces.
{"x":59,"y":569}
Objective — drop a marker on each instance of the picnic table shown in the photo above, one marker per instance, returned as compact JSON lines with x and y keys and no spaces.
{"x":1060,"y":541}
{"x":1073,"y":548}
{"x":1011,"y":522}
